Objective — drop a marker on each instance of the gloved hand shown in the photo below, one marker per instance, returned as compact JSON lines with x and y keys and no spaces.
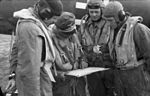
{"x":96,"y":49}
{"x":67,"y":66}
{"x":84,"y":64}
{"x":61,"y":75}
{"x":75,"y":66}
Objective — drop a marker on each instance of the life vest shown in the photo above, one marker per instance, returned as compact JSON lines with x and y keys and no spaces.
{"x":66,"y":52}
{"x":125,"y":46}
{"x":94,"y":35}
{"x":49,"y":56}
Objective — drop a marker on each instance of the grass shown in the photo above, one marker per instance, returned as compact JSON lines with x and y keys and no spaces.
{"x":4,"y":56}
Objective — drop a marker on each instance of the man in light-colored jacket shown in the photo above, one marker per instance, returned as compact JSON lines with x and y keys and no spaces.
{"x":33,"y":51}
{"x":130,"y":50}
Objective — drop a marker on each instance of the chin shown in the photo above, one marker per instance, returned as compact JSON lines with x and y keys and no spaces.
{"x":95,"y":19}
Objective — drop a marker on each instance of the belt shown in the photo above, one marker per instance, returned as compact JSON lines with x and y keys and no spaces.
{"x":129,"y":65}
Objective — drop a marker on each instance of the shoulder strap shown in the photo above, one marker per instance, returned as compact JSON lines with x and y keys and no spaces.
{"x":62,"y":54}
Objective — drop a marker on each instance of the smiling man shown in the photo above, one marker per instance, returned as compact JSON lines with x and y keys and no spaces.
{"x":94,"y":36}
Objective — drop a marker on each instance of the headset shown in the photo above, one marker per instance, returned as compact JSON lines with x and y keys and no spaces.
{"x":94,"y":6}
{"x":121,"y":15}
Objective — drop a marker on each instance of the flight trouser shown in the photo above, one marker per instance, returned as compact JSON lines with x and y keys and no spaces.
{"x":101,"y":83}
{"x":96,"y":84}
{"x":132,"y":82}
{"x":70,"y":86}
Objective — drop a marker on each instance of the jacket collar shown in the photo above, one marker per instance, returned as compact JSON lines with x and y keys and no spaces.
{"x":96,"y":24}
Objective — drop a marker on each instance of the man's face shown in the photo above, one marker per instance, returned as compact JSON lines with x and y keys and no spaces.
{"x":52,"y":20}
{"x":116,"y":18}
{"x":95,"y":14}
{"x":113,"y":22}
{"x":44,"y":11}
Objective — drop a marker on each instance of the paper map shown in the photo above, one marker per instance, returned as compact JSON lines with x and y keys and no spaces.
{"x":85,"y":71}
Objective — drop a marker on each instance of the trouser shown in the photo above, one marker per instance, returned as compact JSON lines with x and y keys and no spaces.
{"x":71,"y":86}
{"x":132,"y":82}
{"x":101,"y":83}
{"x":96,"y":85}
{"x":109,"y":82}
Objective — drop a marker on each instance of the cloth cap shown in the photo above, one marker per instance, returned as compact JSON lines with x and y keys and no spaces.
{"x":112,"y":9}
{"x":66,"y":22}
{"x":56,"y":6}
{"x":94,"y":4}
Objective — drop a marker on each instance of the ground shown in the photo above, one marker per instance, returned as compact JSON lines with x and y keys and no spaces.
{"x":4,"y":56}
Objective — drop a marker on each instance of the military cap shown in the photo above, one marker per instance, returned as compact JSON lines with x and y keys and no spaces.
{"x":66,"y":22}
{"x":113,"y":8}
{"x":94,"y":4}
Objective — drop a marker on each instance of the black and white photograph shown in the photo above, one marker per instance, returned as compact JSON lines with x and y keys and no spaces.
{"x":74,"y":47}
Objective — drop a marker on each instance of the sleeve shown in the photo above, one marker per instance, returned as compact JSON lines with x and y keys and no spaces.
{"x":13,"y":58}
{"x":30,"y":44}
{"x":142,"y":43}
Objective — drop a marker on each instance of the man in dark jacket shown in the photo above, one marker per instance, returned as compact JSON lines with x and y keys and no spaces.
{"x":94,"y":37}
{"x":68,"y":57}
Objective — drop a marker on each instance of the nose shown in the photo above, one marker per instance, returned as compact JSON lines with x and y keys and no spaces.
{"x":94,"y":14}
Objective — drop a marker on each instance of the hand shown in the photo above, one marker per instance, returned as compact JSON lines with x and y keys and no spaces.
{"x":84,"y":64}
{"x":67,"y":66}
{"x":96,"y":49}
{"x":75,"y":66}
{"x":10,"y":86}
{"x":62,"y":75}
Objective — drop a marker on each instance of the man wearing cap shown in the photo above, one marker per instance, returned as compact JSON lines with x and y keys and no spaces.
{"x":68,"y":57}
{"x":94,"y":37}
{"x":130,"y":50}
{"x":33,"y":50}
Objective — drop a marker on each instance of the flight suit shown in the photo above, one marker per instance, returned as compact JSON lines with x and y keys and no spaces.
{"x":30,"y":53}
{"x":68,"y":55}
{"x":92,"y":34}
{"x":131,"y":50}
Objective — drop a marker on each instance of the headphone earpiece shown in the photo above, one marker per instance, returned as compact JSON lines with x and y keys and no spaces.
{"x":121,"y":15}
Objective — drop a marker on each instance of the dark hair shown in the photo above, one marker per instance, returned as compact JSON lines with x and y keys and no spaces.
{"x":56,"y":6}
